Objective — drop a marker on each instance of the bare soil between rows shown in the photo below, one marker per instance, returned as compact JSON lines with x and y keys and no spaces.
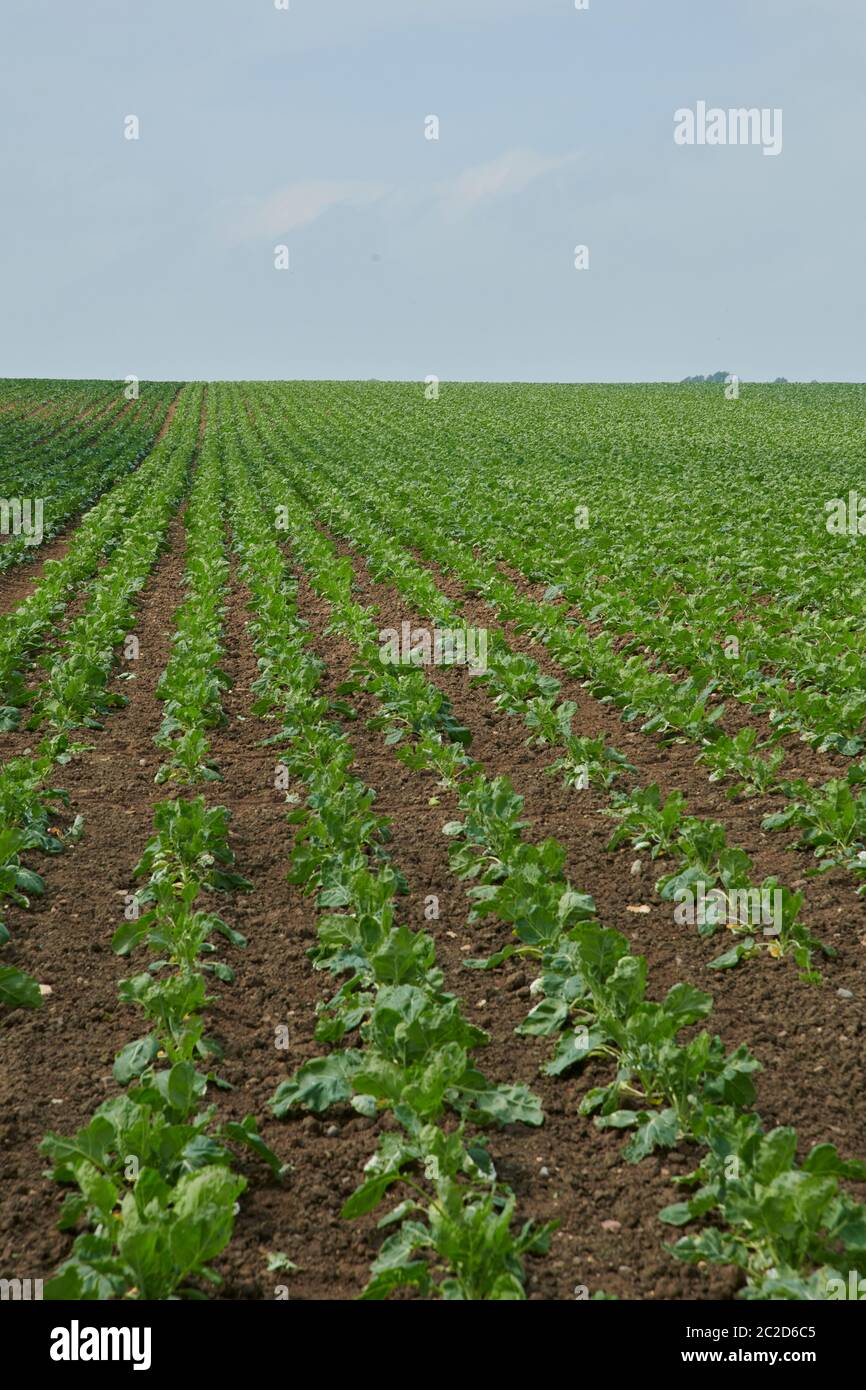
{"x":801,"y":760}
{"x":810,"y":1040}
{"x":56,"y":1064}
{"x":56,"y":1061}
{"x":18,"y":582}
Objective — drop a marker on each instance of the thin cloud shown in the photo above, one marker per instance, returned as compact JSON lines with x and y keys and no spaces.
{"x":511,"y":173}
{"x":301,"y":203}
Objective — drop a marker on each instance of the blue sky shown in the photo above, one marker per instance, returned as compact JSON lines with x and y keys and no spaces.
{"x":409,"y":256}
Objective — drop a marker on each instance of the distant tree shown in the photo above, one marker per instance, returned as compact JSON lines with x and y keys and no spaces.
{"x":719,"y":378}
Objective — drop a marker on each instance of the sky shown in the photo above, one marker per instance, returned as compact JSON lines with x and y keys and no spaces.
{"x":306,"y":128}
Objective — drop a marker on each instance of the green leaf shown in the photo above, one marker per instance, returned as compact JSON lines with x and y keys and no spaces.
{"x":508,"y":1105}
{"x":129,"y":935}
{"x":824,"y":1158}
{"x":29,"y":882}
{"x":659,"y":1130}
{"x":247,"y":1133}
{"x":318,"y":1084}
{"x":17,"y":990}
{"x":574,"y":1048}
{"x":131,"y":1061}
{"x":369,"y":1194}
{"x":184,"y":1086}
{"x":546,"y":1018}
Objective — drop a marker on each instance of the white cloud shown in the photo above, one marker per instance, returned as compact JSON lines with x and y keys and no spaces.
{"x":299,"y":204}
{"x":511,"y":173}
{"x":302,"y":203}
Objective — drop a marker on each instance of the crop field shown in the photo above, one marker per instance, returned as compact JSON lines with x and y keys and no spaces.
{"x":432,"y":841}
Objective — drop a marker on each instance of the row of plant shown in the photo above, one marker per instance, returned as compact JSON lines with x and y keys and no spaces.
{"x":192,"y":683}
{"x":28,"y":822}
{"x":77,"y":444}
{"x":68,"y":480}
{"x":102,"y":532}
{"x":713,"y":881}
{"x":706,"y":864}
{"x":76,"y":694}
{"x":671,"y":708}
{"x":834,"y":811}
{"x":153,"y":1175}
{"x":789,"y":1228}
{"x":54,"y":415}
{"x":424,"y":502}
{"x":451,"y":1234}
{"x":830,"y":817}
{"x":75,"y":691}
{"x":673,"y":600}
{"x":680,"y":711}
{"x":68,"y":420}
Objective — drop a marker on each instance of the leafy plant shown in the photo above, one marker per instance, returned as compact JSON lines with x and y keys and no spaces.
{"x":740,"y":757}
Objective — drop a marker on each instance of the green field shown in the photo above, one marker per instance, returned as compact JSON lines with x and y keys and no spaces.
{"x":486,"y":768}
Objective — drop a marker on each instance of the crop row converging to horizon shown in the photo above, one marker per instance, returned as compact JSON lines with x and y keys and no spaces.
{"x":432,"y":840}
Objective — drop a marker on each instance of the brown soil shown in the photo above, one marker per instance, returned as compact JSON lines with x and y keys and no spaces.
{"x":19,"y":582}
{"x":57,"y":1062}
{"x":567,"y":1171}
{"x":810,"y":1040}
{"x":800,"y":759}
{"x":276,"y":985}
{"x":166,"y":424}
